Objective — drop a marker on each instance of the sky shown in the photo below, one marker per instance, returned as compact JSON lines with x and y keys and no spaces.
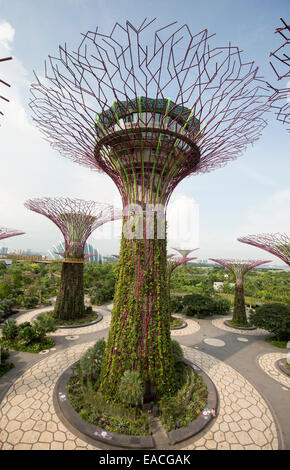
{"x":250,"y":195}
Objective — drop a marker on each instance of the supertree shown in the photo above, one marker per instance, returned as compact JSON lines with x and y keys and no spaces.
{"x":8,"y":232}
{"x":173,"y":263}
{"x":280,"y":63}
{"x":106,"y":107}
{"x":2,"y":81}
{"x":76,"y":219}
{"x":184,"y":254}
{"x":276,"y":243}
{"x":239,"y":269}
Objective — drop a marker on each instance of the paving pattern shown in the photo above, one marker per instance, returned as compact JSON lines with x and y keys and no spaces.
{"x":191,"y":328}
{"x":244,"y":420}
{"x":267,"y":363}
{"x":219,"y":323}
{"x":28,"y":419}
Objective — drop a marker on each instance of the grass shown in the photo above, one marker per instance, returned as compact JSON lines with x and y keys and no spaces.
{"x":277,"y":343}
{"x":34,"y":347}
{"x":287,"y":366}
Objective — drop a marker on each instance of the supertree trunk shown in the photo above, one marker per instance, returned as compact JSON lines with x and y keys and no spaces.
{"x":139,"y":336}
{"x":70,"y":300}
{"x":239,"y":315}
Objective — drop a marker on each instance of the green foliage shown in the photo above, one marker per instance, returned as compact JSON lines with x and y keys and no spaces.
{"x":9,"y":329}
{"x":188,"y":403}
{"x":275,"y":342}
{"x":177,"y":352}
{"x":94,"y":408}
{"x":131,"y":388}
{"x":175,"y":303}
{"x":91,"y":361}
{"x":100,"y":281}
{"x":222,"y":305}
{"x":199,"y":306}
{"x":34,"y":347}
{"x":44,"y":324}
{"x":26,"y":335}
{"x":274,"y":318}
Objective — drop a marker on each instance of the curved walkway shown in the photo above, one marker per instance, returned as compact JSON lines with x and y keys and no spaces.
{"x":219,"y":323}
{"x":28,"y":419}
{"x":191,"y":328}
{"x":267,"y":363}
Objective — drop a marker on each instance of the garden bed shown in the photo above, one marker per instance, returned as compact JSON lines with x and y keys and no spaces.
{"x":86,"y":320}
{"x":34,"y":347}
{"x":177,"y":323}
{"x":283,"y":366}
{"x":68,"y":415}
{"x":232,"y":325}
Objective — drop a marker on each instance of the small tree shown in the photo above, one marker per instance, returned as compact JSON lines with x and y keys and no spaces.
{"x":274,"y":318}
{"x":131,"y":388}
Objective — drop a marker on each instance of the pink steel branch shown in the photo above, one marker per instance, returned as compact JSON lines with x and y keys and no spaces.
{"x":276,"y":243}
{"x":2,"y":81}
{"x":239,"y":268}
{"x":221,"y":90}
{"x":280,"y":63}
{"x":172,"y":264}
{"x":75,"y":218}
{"x":7,"y":233}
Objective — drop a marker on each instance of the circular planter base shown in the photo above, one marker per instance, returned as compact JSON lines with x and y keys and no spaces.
{"x":94,"y":434}
{"x":226,"y":322}
{"x":82,"y":325}
{"x":184,"y":325}
{"x":281,"y":365}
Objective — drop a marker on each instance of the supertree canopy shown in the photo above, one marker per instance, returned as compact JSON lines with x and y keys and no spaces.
{"x":8,"y":232}
{"x":280,"y":63}
{"x":149,"y":108}
{"x":76,"y":219}
{"x":239,"y":269}
{"x":2,"y":81}
{"x":173,"y":263}
{"x":276,"y":243}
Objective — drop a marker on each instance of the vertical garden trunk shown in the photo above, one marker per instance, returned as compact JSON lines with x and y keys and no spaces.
{"x":139,"y":336}
{"x":70,"y":300}
{"x":239,"y":315}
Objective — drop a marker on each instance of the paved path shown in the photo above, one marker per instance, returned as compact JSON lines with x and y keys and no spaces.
{"x":28,"y":419}
{"x":254,"y":411}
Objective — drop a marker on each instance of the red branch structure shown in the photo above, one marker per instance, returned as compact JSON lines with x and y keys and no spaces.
{"x":8,"y":232}
{"x":280,"y":63}
{"x":276,"y":243}
{"x":2,"y":81}
{"x":239,"y":269}
{"x":148,"y":106}
{"x":76,"y":219}
{"x":173,"y":263}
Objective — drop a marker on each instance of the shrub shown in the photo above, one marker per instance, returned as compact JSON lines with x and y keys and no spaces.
{"x":4,"y":354}
{"x":131,"y":388}
{"x":177,"y":352}
{"x":175,"y":303}
{"x":222,"y":305}
{"x":196,"y":305}
{"x":9,"y":329}
{"x":44,"y":324}
{"x":91,"y":361}
{"x":6,"y":305}
{"x":26,"y":335}
{"x":274,"y":318}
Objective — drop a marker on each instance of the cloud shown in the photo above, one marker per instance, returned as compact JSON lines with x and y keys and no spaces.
{"x":7,"y":33}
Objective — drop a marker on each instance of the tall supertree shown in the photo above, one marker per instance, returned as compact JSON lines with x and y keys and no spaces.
{"x":184,"y":254}
{"x":239,"y":269}
{"x":276,"y":243}
{"x":76,"y":219}
{"x":106,"y":107}
{"x":8,"y":232}
{"x":173,"y":263}
{"x":280,"y":63}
